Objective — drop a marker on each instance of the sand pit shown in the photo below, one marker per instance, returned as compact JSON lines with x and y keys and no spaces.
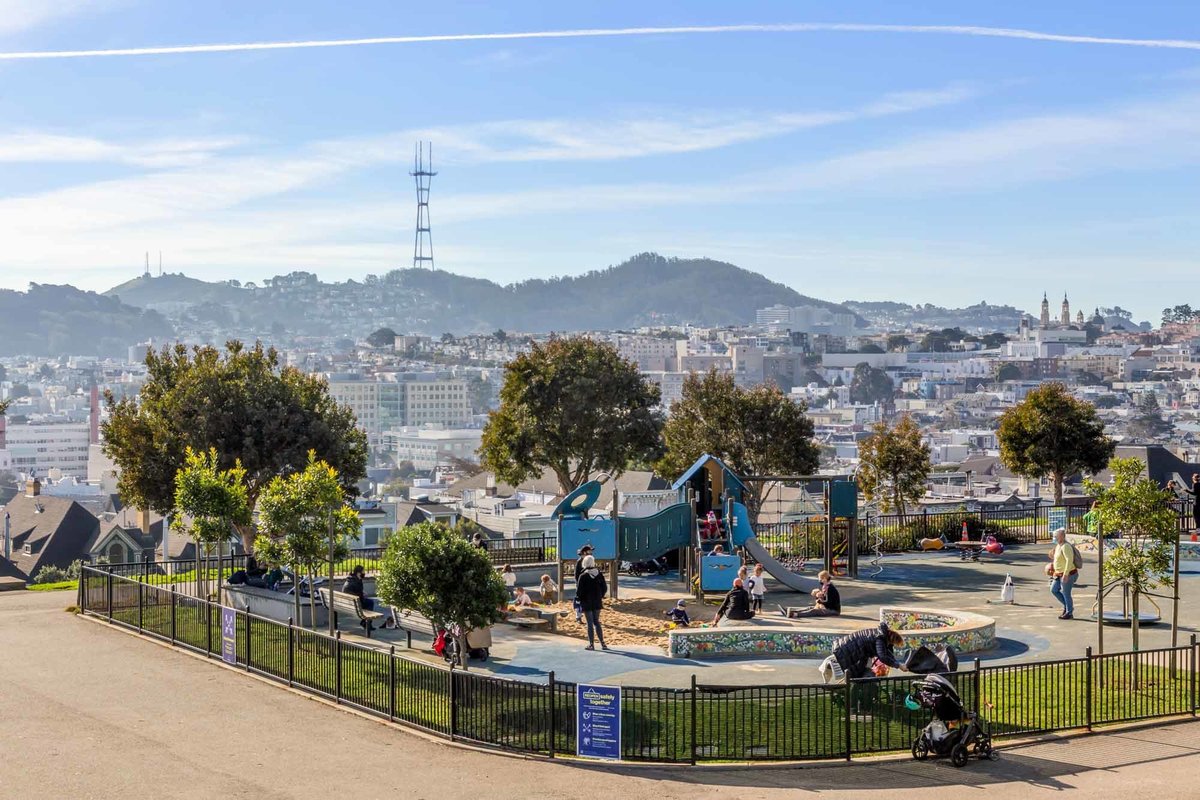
{"x":634,"y":621}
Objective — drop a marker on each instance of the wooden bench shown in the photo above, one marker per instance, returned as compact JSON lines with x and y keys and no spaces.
{"x":411,"y":622}
{"x":340,"y":602}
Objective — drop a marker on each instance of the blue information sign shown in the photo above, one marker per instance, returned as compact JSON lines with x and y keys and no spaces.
{"x":598,"y":721}
{"x":1056,"y":518}
{"x":228,"y":635}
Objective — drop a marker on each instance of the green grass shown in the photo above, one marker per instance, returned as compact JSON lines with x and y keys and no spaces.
{"x":53,"y":587}
{"x":731,"y":723}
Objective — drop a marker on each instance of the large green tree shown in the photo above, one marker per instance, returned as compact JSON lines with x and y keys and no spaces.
{"x":303,"y":517}
{"x":573,"y":406}
{"x":238,"y":401}
{"x":756,"y":431}
{"x":1146,"y":421}
{"x":1052,"y":434}
{"x":871,"y":385}
{"x":438,"y":573}
{"x":894,"y":465}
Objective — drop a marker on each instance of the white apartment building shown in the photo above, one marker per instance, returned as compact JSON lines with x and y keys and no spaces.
{"x":437,"y":401}
{"x":405,"y":399}
{"x":46,"y":446}
{"x":670,"y":385}
{"x":428,"y":448}
{"x":648,"y":352}
{"x":363,"y":398}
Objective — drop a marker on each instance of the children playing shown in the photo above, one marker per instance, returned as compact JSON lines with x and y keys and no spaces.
{"x":549,"y":590}
{"x":678,"y":615}
{"x":757,"y":585}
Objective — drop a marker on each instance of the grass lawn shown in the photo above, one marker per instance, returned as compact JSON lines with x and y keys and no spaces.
{"x":53,"y":587}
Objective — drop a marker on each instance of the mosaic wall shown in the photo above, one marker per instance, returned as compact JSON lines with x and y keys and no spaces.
{"x":966,"y":633}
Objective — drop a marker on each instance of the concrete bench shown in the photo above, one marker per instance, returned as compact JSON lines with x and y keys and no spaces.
{"x":342,"y":603}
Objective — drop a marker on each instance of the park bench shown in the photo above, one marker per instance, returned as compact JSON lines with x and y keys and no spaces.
{"x":340,"y":602}
{"x":530,"y":617}
{"x":411,"y":622}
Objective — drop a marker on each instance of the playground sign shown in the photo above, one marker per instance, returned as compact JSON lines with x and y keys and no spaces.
{"x":228,"y":635}
{"x":601,"y":534}
{"x":1056,"y":518}
{"x":598,"y":721}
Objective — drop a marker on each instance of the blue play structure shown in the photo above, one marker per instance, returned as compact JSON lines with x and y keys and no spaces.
{"x":707,"y":486}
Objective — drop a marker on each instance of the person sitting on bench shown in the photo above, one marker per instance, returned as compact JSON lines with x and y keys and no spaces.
{"x":827,"y":599}
{"x":354,"y":586}
{"x":736,"y":605}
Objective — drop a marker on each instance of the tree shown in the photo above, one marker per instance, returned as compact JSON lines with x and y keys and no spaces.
{"x":870,"y":347}
{"x":757,"y":431}
{"x":238,"y":401}
{"x":573,"y":406}
{"x":1050,"y":433}
{"x":500,"y":335}
{"x":894,"y":465}
{"x":438,"y":573}
{"x":1107,"y":401}
{"x":1147,"y":421}
{"x":305,"y":522}
{"x":384,"y":337}
{"x":871,"y":385}
{"x":1008,"y":372}
{"x":898,"y":343}
{"x":993,"y":340}
{"x":1135,"y":508}
{"x":209,"y":502}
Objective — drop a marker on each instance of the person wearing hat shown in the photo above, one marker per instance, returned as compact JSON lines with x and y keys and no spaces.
{"x":584,"y":551}
{"x":679,"y":615}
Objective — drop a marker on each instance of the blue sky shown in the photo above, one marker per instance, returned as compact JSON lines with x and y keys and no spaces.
{"x":923,"y":167}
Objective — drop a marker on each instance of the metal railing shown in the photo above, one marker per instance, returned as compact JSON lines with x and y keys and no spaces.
{"x":689,"y":725}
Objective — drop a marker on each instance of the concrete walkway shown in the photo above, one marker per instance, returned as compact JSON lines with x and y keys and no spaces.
{"x":93,"y":712}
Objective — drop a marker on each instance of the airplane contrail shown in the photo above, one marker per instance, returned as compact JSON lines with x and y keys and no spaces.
{"x":785,"y":27}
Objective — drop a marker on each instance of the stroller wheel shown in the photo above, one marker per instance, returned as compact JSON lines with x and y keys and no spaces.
{"x":958,"y":756}
{"x":920,"y":748}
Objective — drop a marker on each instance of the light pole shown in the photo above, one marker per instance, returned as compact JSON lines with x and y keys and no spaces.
{"x":329,"y":610}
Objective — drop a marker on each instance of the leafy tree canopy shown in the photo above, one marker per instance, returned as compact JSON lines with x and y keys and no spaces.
{"x":871,"y":385}
{"x":757,"y":431}
{"x":1008,"y":372}
{"x":438,"y":573}
{"x":894,"y":465}
{"x":238,"y":402}
{"x":1050,"y":433}
{"x":213,"y":499}
{"x":384,"y":337}
{"x":573,"y":406}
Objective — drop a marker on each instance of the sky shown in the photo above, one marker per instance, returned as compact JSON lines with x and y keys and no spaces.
{"x":919,"y":152}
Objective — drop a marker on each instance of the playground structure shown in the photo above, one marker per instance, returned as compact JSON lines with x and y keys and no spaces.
{"x":708,"y":486}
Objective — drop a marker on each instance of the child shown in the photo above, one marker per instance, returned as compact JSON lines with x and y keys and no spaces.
{"x":757,"y":584}
{"x":578,"y":610}
{"x":510,"y":578}
{"x":679,"y":615}
{"x":549,"y":590}
{"x":522,"y":600}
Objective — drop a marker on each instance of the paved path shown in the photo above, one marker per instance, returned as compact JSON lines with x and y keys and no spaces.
{"x":92,"y":712}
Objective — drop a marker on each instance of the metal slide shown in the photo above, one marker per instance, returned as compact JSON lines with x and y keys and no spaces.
{"x":743,"y":536}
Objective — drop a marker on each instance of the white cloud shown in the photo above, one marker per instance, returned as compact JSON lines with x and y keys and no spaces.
{"x":36,"y":147}
{"x":17,"y":16}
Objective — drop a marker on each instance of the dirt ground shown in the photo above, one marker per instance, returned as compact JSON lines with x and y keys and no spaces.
{"x":634,"y":622}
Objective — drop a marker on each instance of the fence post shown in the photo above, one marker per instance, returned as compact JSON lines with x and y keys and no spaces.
{"x":141,"y":607}
{"x":291,"y":653}
{"x":80,"y":591}
{"x":248,"y":640}
{"x":925,"y":522}
{"x":110,"y":596}
{"x":976,"y":681}
{"x":208,"y":648}
{"x":1087,"y":682}
{"x":1192,"y":670}
{"x":173,"y":617}
{"x":392,"y":683}
{"x":846,"y":718}
{"x":693,"y":721}
{"x":453,"y":703}
{"x":337,"y":664}
{"x":553,"y":720}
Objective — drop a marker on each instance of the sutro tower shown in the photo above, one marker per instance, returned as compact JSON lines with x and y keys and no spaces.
{"x":422,"y":173}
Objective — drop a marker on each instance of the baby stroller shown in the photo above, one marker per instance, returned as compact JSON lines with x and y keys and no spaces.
{"x":954,"y":731}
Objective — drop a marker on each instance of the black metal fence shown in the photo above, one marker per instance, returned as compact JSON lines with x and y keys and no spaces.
{"x":670,"y":725}
{"x":804,"y":539}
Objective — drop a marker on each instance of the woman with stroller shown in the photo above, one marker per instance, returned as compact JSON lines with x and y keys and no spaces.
{"x":853,"y":654}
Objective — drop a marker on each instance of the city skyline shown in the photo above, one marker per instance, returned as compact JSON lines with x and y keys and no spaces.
{"x":892,"y":163}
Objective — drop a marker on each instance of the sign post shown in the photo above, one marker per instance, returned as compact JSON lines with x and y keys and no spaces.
{"x":598,"y":721}
{"x":228,"y":635}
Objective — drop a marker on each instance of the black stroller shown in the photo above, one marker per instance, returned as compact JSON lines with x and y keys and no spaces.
{"x":954,"y":731}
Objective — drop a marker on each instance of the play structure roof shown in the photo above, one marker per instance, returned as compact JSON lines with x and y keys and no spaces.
{"x":730,"y":475}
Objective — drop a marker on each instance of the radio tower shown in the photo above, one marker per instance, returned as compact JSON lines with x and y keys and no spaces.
{"x":422,"y":173}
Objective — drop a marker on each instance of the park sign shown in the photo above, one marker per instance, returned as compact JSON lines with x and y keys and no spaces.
{"x":228,"y":635}
{"x":598,"y":721}
{"x":1056,"y":518}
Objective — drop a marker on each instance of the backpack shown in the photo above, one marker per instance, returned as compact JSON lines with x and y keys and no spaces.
{"x":1076,"y":558}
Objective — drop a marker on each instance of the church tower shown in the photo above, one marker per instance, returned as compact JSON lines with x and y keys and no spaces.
{"x":1079,"y":317}
{"x":1066,"y":310}
{"x":1045,"y":311}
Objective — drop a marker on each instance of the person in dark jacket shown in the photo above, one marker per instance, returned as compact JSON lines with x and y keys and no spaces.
{"x":584,"y":552}
{"x":854,"y":652}
{"x":736,"y":604}
{"x":354,"y":586}
{"x":827,"y":600}
{"x":1195,"y":496}
{"x":590,"y":589}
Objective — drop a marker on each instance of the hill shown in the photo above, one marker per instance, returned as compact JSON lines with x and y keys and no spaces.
{"x":647,"y":289}
{"x":52,"y":320}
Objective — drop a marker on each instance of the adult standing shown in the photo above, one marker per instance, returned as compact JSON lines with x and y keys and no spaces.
{"x":1064,"y":572}
{"x":584,"y":552}
{"x":1195,"y":493}
{"x":590,"y":589}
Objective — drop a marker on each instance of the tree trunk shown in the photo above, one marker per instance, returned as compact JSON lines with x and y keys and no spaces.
{"x":248,"y":535}
{"x":296,"y":589}
{"x":1058,"y":486}
{"x":312,"y":598}
{"x":1135,"y":627}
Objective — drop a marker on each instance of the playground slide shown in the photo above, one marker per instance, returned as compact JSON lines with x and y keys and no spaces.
{"x":743,"y":536}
